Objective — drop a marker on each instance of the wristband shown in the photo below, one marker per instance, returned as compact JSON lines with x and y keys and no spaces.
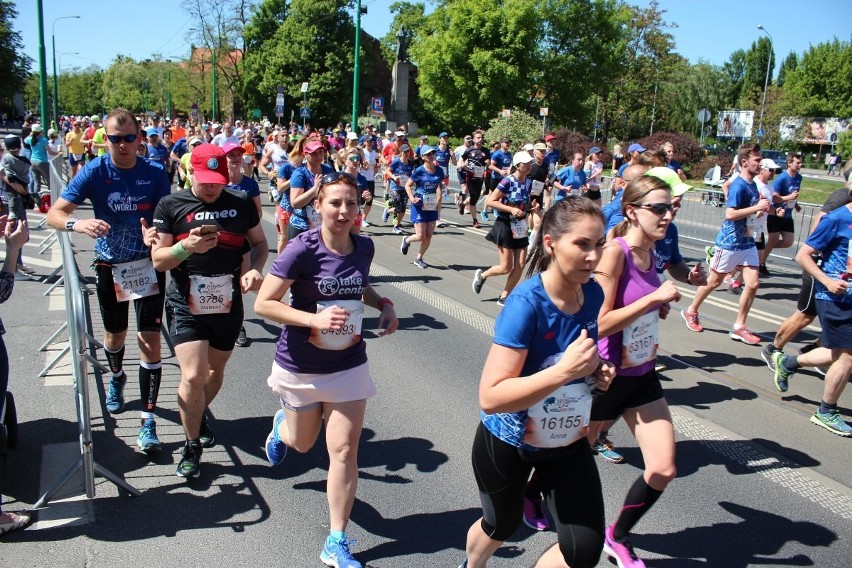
{"x":69,"y":224}
{"x":179,"y":252}
{"x":383,"y":302}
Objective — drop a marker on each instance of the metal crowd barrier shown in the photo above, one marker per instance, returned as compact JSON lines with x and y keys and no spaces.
{"x":78,"y":346}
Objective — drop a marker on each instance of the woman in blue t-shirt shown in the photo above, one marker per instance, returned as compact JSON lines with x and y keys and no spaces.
{"x":536,"y":398}
{"x":400,"y":170}
{"x":424,"y":191}
{"x":320,"y":370}
{"x":283,"y":209}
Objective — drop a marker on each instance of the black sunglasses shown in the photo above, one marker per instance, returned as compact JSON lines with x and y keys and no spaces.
{"x":339,"y":176}
{"x":655,"y":208}
{"x":116,"y":138}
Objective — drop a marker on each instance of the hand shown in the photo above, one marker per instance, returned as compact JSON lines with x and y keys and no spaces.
{"x":93,"y":227}
{"x":518,"y":213}
{"x":415,"y":200}
{"x":762,"y":205}
{"x":834,"y":286}
{"x":696,"y":276}
{"x":150,"y":236}
{"x":365,"y":195}
{"x":580,"y":359}
{"x":779,"y":212}
{"x":798,"y":208}
{"x":197,"y":243}
{"x":388,"y":323}
{"x":332,"y":318}
{"x":604,"y":375}
{"x":251,"y":281}
{"x":793,"y":196}
{"x":667,"y":292}
{"x":15,"y":236}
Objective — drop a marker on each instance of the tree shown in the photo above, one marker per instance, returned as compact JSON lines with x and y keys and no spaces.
{"x":520,"y":127}
{"x":754,"y":77}
{"x":820,"y":84}
{"x":735,"y":68}
{"x":14,"y":65}
{"x":790,"y":63}
{"x":412,"y":16}
{"x":124,"y":84}
{"x":692,"y":88}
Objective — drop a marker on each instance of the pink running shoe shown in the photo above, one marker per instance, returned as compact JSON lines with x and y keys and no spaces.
{"x":534,"y":516}
{"x":744,"y":335}
{"x":691,"y":320}
{"x":621,"y":552}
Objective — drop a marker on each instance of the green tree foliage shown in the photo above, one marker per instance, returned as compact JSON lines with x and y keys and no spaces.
{"x":756,"y":60}
{"x":81,"y":91}
{"x":474,"y":59}
{"x":411,"y":15}
{"x":692,"y":88}
{"x":520,"y":128}
{"x":844,"y":146}
{"x":14,"y":65}
{"x":735,"y":68}
{"x":124,"y":84}
{"x":821,"y":82}
{"x":790,"y":62}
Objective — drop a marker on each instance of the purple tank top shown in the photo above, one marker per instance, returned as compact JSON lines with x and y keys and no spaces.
{"x":633,"y":285}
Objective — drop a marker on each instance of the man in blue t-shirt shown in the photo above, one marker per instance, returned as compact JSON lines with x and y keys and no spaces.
{"x":570,"y":180}
{"x":735,"y":245}
{"x":123,"y":190}
{"x":779,"y":224}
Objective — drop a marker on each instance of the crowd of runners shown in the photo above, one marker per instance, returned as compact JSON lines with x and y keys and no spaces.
{"x":575,"y":345}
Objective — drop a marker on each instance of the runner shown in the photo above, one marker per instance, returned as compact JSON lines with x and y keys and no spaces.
{"x":320,"y":371}
{"x":369,"y":168}
{"x":304,"y":184}
{"x":570,"y":180}
{"x":780,"y":227}
{"x":201,"y":237}
{"x":474,"y":162}
{"x":123,"y":189}
{"x":634,"y":302}
{"x":424,"y":190}
{"x":540,"y":182}
{"x":460,"y":173}
{"x":511,"y":201}
{"x":283,"y":210}
{"x":444,"y":156}
{"x":399,"y":171}
{"x":593,"y":168}
{"x":76,"y":148}
{"x":501,"y":164}
{"x":352,"y":163}
{"x":535,"y":396}
{"x":735,"y":246}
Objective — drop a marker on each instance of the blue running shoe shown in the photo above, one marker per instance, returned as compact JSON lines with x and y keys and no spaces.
{"x":780,"y":375}
{"x":484,"y":215}
{"x":336,"y":553}
{"x":276,"y":450}
{"x":605,"y":450}
{"x":385,"y":215}
{"x":115,"y":394}
{"x":832,"y":422}
{"x":147,"y":440}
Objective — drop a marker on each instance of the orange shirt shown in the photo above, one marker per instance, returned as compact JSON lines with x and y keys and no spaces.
{"x":178,"y":132}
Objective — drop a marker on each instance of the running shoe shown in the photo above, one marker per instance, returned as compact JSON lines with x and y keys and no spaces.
{"x":420,"y":263}
{"x":440,"y":224}
{"x":336,"y":553}
{"x":692,"y":323}
{"x":478,"y":281}
{"x":397,"y":230}
{"x":364,"y":223}
{"x":766,"y":355}
{"x":276,"y":450}
{"x":484,"y":216}
{"x":728,"y":280}
{"x":20,"y":520}
{"x":621,"y":552}
{"x":26,"y":269}
{"x":763,"y":271}
{"x":188,"y":465}
{"x":501,"y":301}
{"x":534,"y":516}
{"x":709,"y":251}
{"x":147,"y":440}
{"x":744,"y":335}
{"x":604,"y":449}
{"x":403,"y":247}
{"x":475,"y":224}
{"x":735,"y":288}
{"x":115,"y":394}
{"x":242,"y":339}
{"x":780,"y":374}
{"x":832,"y":422}
{"x":205,"y":434}
{"x":385,"y":215}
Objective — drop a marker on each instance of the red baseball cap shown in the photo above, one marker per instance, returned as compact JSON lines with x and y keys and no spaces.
{"x":231,"y":146}
{"x":313,"y":146}
{"x":209,"y":164}
{"x":549,"y":137}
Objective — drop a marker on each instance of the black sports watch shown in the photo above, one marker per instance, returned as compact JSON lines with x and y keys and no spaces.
{"x":69,"y":224}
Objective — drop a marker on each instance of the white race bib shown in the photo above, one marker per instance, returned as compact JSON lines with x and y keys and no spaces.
{"x":640,"y":339}
{"x":478,"y":171}
{"x":210,"y":294}
{"x":430,"y":202}
{"x":752,"y":225}
{"x":558,"y":419}
{"x":537,"y":187}
{"x":134,"y":280}
{"x":349,"y":334}
{"x":519,"y":227}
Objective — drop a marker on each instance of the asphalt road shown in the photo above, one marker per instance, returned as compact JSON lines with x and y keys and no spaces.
{"x":757,"y":483}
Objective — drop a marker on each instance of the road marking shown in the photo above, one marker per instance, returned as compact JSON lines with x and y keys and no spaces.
{"x":69,"y":507}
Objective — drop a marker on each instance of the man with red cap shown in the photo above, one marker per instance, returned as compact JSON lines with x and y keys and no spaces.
{"x":201,"y":237}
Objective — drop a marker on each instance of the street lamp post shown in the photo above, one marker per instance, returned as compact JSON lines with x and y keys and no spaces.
{"x":55,"y":79}
{"x":356,"y":72}
{"x":766,"y":80}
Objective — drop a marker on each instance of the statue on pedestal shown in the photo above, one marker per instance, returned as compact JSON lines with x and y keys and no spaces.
{"x":402,"y":44}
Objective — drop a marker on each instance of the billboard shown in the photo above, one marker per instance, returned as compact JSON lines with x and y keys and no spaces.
{"x":735,"y":124}
{"x":813,"y":130}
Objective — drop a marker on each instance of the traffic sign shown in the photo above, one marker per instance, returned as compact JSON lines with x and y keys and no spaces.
{"x":598,"y":125}
{"x":377,"y":106}
{"x":280,"y":90}
{"x":304,"y":112}
{"x":279,"y":100}
{"x":507,"y":112}
{"x":194,"y":110}
{"x":256,"y":112}
{"x":543,"y":111}
{"x":279,"y":110}
{"x":760,"y":133}
{"x":703,"y":115}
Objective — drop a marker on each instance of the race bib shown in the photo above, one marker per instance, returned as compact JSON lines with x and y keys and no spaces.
{"x":430,"y":202}
{"x":210,"y":294}
{"x":519,"y":228}
{"x":77,"y":157}
{"x":134,"y":280}
{"x":752,"y":225}
{"x":403,"y":179}
{"x":349,"y":335}
{"x":537,"y":188}
{"x":640,"y":339}
{"x":558,"y":419}
{"x":478,"y":171}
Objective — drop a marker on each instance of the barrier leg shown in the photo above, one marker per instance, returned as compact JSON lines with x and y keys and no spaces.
{"x":54,"y":336}
{"x":53,"y":286}
{"x":56,"y":359}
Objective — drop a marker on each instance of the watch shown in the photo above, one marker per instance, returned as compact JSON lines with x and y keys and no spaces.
{"x":69,"y":224}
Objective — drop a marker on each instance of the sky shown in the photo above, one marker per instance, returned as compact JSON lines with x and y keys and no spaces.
{"x":708,"y":30}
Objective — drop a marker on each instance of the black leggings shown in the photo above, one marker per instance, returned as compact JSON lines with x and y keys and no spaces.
{"x":570,"y":483}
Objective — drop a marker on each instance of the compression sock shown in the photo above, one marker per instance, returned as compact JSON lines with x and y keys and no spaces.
{"x":826,"y":408}
{"x":533,"y":489}
{"x":640,"y":499}
{"x":115,"y":360}
{"x":790,"y":363}
{"x":149,"y":386}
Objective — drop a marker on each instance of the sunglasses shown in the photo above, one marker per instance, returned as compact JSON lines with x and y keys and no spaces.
{"x":334,"y":177}
{"x":116,"y":138}
{"x":354,"y":159}
{"x":658,"y":209}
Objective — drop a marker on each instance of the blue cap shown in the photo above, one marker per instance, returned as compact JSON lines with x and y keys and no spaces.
{"x":594,"y":150}
{"x":152,"y":132}
{"x":635,"y":148}
{"x":426,"y":150}
{"x":443,"y":135}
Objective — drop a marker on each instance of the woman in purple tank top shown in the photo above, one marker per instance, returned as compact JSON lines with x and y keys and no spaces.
{"x":634,"y":302}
